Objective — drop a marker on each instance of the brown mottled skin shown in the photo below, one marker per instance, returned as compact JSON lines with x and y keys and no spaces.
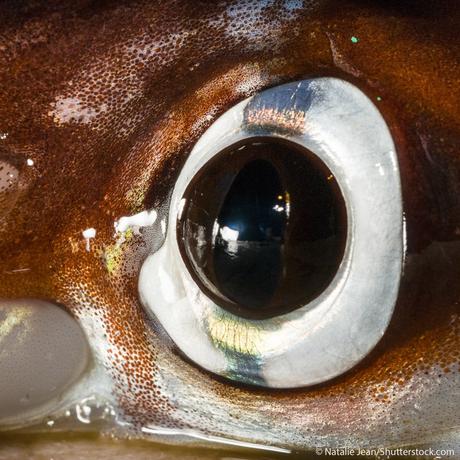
{"x":124,"y":158}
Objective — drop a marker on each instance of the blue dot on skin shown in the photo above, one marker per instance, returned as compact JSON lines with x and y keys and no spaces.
{"x":354,"y":39}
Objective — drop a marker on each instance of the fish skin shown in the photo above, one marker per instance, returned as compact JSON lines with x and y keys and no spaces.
{"x":108,"y":98}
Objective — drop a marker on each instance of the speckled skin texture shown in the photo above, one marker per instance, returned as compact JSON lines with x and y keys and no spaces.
{"x":107,"y":98}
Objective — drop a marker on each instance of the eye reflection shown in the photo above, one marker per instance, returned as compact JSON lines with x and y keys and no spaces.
{"x":263,"y":229}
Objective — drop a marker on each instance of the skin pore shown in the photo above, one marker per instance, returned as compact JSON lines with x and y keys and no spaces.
{"x":107,"y":99}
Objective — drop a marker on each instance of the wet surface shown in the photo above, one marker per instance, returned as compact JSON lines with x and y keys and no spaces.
{"x":83,"y":446}
{"x":76,"y":446}
{"x":43,"y":352}
{"x":107,"y":100}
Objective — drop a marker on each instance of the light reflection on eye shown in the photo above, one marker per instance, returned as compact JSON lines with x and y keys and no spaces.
{"x":295,"y":329}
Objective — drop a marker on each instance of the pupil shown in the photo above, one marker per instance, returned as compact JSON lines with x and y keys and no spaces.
{"x":247,"y":250}
{"x":263,"y":228}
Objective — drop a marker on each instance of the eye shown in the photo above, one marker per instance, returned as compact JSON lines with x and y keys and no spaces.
{"x":284,"y":250}
{"x":263,"y":227}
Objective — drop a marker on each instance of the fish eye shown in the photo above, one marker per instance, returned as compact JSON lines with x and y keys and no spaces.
{"x":284,"y":250}
{"x":263,"y":227}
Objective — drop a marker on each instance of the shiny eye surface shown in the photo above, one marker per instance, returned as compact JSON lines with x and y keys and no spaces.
{"x":285,"y":238}
{"x":263,"y":228}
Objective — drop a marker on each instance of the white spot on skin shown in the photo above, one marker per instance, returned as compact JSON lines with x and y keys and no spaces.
{"x":250,"y":85}
{"x":30,"y":162}
{"x":135,"y":222}
{"x":88,"y":234}
{"x":293,"y":5}
{"x":74,"y":105}
{"x":259,"y":30}
{"x":253,"y":32}
{"x":3,"y":136}
{"x":72,"y":109}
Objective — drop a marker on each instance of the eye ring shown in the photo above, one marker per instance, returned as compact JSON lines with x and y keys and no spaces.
{"x":323,"y":339}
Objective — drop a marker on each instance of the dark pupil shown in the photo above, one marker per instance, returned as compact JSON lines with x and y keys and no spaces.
{"x":263,"y":228}
{"x":249,"y":269}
